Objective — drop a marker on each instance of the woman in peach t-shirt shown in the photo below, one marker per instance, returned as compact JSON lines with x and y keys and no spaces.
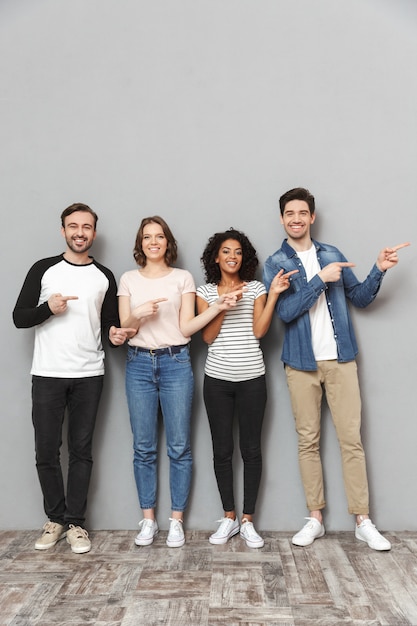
{"x":159,"y":301}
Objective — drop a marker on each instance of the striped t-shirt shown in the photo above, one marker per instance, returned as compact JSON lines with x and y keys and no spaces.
{"x":235,"y":354}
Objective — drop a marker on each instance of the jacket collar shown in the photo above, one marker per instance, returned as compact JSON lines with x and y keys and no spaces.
{"x":289,"y":250}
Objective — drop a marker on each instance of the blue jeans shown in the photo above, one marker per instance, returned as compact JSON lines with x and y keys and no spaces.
{"x":165,"y":381}
{"x":51,"y":397}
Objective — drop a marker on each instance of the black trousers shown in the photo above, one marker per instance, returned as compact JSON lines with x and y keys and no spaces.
{"x":246,"y":400}
{"x":50,"y":398}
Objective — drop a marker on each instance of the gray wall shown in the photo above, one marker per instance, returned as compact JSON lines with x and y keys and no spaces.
{"x":205,"y":111}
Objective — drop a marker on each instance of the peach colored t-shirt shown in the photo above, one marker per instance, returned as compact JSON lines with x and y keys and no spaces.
{"x":161,"y":330}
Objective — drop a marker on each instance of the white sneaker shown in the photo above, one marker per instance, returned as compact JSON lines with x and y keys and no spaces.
{"x":249,"y":534}
{"x":228,"y":528}
{"x":175,"y":537}
{"x":309,"y":532}
{"x":367,"y":532}
{"x":148,"y":531}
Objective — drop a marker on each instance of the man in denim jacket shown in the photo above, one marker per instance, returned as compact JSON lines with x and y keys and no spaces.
{"x":319,"y":352}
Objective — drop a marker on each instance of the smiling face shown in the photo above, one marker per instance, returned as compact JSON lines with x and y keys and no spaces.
{"x":230,"y":257}
{"x":154,"y":242}
{"x":79,"y":232}
{"x":297,"y":220}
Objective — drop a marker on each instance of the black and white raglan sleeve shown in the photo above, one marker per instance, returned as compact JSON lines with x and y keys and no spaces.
{"x":27,"y":311}
{"x":109,"y":310}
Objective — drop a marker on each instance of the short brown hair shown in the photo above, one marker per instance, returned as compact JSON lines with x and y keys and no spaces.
{"x":298,"y":193}
{"x":78,"y":206}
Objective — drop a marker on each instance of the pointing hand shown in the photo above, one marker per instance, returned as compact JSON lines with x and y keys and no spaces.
{"x":119,"y":335}
{"x":281,"y":281}
{"x":58,"y":303}
{"x":148,"y":309}
{"x":388,"y":257}
{"x":332,"y":272}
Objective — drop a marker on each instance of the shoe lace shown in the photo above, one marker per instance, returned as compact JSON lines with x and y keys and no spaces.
{"x":81,"y":532}
{"x":369,"y":528}
{"x":310,"y":523}
{"x":249,"y":529}
{"x":49,"y":527}
{"x":175,"y":526}
{"x":224,"y":523}
{"x":146,"y":523}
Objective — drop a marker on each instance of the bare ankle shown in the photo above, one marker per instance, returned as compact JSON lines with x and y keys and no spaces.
{"x":317,"y":515}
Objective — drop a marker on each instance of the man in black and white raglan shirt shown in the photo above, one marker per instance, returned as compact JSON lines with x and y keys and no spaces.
{"x":71,"y":301}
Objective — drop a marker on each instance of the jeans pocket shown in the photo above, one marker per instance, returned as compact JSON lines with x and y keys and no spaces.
{"x":183,"y":356}
{"x":131,"y":355}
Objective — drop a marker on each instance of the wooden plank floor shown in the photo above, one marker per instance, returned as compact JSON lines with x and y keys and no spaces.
{"x":338,"y":580}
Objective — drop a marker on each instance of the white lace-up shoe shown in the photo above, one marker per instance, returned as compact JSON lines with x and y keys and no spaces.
{"x":228,"y":528}
{"x":309,"y":532}
{"x":367,"y":532}
{"x":249,"y":534}
{"x":176,"y":537}
{"x":148,"y":531}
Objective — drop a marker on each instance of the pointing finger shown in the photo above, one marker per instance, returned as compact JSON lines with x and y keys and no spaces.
{"x":401,"y":245}
{"x":345,"y":264}
{"x":66,"y":298}
{"x":124,"y":333}
{"x":290,"y":273}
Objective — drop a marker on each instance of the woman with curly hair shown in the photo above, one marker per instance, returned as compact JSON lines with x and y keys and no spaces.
{"x":234,"y":380}
{"x":158,"y":300}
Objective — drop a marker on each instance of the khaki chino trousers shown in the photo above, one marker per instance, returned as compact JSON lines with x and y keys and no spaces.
{"x":340,"y":383}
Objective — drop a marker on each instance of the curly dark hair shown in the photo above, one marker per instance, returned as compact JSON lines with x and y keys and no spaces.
{"x":249,"y":259}
{"x":170,"y":254}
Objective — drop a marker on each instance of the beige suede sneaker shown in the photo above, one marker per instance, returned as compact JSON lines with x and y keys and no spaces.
{"x":78,"y":539}
{"x":52,"y":533}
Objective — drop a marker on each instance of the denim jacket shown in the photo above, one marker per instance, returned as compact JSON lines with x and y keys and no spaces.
{"x":293,"y":305}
